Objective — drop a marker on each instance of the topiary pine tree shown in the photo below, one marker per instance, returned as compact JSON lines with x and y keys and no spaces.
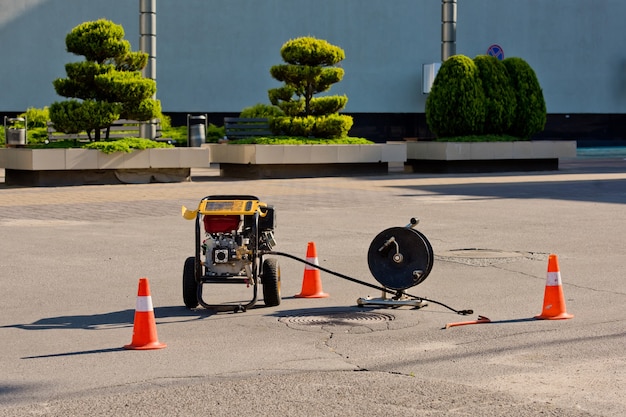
{"x":456,"y":103}
{"x":500,"y":99}
{"x":530,"y":116}
{"x":309,"y":69}
{"x":107,"y":86}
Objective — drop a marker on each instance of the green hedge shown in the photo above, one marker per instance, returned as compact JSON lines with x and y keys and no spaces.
{"x":530,"y":115}
{"x":456,"y":103}
{"x":500,"y":99}
{"x":262,"y":111}
{"x":485,"y":96}
{"x":333,"y":126}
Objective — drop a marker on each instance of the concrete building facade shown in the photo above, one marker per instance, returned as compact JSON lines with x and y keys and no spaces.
{"x":213,"y":56}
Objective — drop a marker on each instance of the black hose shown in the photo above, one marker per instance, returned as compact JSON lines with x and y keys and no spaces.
{"x":367,"y":284}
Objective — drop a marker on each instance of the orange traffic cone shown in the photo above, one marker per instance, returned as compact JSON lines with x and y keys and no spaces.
{"x":553,"y":300}
{"x":144,"y":329}
{"x":311,"y":283}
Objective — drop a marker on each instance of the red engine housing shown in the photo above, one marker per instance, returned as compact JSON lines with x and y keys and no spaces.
{"x":221,"y":223}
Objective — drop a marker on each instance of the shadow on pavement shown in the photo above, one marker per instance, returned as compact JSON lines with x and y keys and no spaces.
{"x":599,"y":191}
{"x":114,"y":319}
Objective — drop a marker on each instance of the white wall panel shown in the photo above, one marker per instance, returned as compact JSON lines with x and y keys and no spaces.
{"x":215,"y":55}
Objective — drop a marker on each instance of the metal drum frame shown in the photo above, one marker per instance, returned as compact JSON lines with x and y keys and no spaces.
{"x":399,"y":258}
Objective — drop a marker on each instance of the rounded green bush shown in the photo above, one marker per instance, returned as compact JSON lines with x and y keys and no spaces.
{"x":261,"y":110}
{"x":310,"y":51}
{"x":327,"y":104}
{"x":97,"y":40}
{"x":500,"y":99}
{"x":530,"y":115}
{"x":456,"y":103}
{"x":333,"y":126}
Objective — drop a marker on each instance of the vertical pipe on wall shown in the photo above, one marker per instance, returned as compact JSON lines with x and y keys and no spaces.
{"x":448,"y":29}
{"x":147,"y":42}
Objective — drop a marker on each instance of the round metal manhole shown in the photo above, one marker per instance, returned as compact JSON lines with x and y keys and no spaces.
{"x":345,"y":322}
{"x":486,"y":257}
{"x":339,"y":319}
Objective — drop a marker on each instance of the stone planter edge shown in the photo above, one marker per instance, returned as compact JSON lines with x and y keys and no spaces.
{"x":93,"y":159}
{"x":457,"y":151}
{"x":307,"y":154}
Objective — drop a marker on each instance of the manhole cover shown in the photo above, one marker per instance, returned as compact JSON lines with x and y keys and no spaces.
{"x":353,"y":322}
{"x":339,"y":319}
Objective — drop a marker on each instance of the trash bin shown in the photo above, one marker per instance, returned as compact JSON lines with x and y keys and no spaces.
{"x":196,"y":130}
{"x":15,"y":131}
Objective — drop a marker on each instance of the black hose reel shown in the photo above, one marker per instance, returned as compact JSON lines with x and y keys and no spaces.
{"x":399,"y":258}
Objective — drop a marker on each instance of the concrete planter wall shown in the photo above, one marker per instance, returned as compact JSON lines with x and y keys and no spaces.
{"x":487,"y":156}
{"x":25,"y":166}
{"x":280,"y":161}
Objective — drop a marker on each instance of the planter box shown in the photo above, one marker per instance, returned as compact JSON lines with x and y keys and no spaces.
{"x":25,"y":166}
{"x":292,"y":161}
{"x":488,"y":156}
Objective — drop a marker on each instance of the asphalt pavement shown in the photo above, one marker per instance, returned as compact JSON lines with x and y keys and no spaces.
{"x":71,"y":259}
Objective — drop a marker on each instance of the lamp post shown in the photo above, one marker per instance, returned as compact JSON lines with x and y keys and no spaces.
{"x":448,"y":29}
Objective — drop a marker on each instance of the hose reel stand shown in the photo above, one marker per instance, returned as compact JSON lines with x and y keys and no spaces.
{"x":399,"y":258}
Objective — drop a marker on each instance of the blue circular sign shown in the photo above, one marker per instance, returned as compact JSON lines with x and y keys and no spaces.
{"x":496,"y":51}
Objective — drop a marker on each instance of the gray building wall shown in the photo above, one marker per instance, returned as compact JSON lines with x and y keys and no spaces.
{"x":215,"y":55}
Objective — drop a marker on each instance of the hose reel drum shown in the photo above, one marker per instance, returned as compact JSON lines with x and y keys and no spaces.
{"x":399,"y":258}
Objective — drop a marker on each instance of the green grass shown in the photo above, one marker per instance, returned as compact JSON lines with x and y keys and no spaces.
{"x":126,"y":145}
{"x":120,"y":145}
{"x":289,"y":140}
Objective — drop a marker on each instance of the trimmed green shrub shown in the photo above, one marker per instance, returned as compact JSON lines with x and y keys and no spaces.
{"x":36,"y":117}
{"x":332,"y":126}
{"x":214,"y":133}
{"x":456,"y":103}
{"x":311,"y":52}
{"x":109,"y":81}
{"x":73,"y":116}
{"x":327,"y":105}
{"x":530,"y":116}
{"x":309,"y":69}
{"x":500,"y":99}
{"x":261,"y":111}
{"x":146,"y":109}
{"x":166,"y":121}
{"x":97,"y":41}
{"x":126,"y":145}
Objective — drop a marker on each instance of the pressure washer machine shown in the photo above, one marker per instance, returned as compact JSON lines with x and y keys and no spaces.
{"x":232,"y":235}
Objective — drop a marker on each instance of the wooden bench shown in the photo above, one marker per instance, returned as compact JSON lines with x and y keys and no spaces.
{"x":236,"y":127}
{"x":121,"y":128}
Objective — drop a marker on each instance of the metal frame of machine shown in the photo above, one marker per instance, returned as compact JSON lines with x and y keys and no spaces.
{"x":232,"y":235}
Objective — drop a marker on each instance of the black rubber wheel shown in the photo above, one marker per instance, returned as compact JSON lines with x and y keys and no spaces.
{"x":270,"y":278}
{"x":190,"y":287}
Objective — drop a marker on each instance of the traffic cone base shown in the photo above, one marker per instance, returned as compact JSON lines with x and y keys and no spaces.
{"x":144,"y":327}
{"x":553,"y":300}
{"x":311,"y":282}
{"x":148,"y":346}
